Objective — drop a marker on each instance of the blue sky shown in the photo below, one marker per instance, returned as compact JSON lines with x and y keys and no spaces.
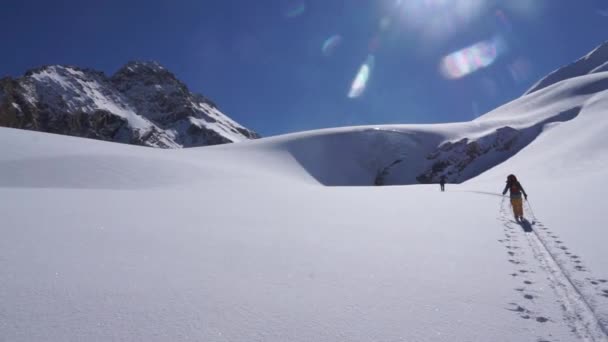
{"x":263,"y":62}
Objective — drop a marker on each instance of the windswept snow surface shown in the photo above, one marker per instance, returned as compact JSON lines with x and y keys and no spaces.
{"x":103,"y":241}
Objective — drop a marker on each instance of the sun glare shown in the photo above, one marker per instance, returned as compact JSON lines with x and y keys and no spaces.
{"x":439,"y":18}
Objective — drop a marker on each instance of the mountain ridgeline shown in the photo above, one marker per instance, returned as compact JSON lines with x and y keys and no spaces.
{"x":142,"y":104}
{"x":145,"y":104}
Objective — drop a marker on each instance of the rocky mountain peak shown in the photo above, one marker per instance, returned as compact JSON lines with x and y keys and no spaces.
{"x":149,"y":72}
{"x":142,"y":103}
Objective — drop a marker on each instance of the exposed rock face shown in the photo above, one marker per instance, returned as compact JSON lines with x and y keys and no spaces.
{"x":141,"y":104}
{"x":452,"y":159}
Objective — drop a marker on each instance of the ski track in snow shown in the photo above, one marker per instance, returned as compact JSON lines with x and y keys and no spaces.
{"x":578,"y":311}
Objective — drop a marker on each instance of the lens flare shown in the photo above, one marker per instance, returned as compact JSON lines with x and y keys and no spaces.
{"x":475,"y":108}
{"x":385,"y":23}
{"x":361,"y":80}
{"x":374,"y":44}
{"x":473,"y":58}
{"x":504,"y":20}
{"x":295,"y":9}
{"x":331,"y":44}
{"x":520,"y":70}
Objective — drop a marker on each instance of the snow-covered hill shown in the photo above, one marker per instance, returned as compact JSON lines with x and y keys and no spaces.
{"x":142,"y":104}
{"x":412,"y":154}
{"x":242,"y":242}
{"x":594,"y":62}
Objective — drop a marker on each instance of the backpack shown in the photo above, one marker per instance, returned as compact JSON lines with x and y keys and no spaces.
{"x":514,"y":187}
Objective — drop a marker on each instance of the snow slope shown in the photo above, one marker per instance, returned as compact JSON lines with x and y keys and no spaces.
{"x":187,"y":251}
{"x":242,"y":242}
{"x":594,"y":62}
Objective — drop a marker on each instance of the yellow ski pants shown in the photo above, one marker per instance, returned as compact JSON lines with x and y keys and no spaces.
{"x":518,"y":209}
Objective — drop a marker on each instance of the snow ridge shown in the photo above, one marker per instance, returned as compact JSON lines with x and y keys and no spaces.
{"x":594,"y":62}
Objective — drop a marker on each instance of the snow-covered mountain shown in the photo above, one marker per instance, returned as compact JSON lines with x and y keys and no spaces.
{"x":143,"y":104}
{"x":594,"y":62}
{"x":243,"y":242}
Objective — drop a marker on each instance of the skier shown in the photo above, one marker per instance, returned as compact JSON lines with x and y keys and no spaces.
{"x":515,"y":189}
{"x":442,"y":183}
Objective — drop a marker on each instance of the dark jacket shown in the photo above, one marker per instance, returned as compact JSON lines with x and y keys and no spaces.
{"x":442,"y":180}
{"x":515,"y":189}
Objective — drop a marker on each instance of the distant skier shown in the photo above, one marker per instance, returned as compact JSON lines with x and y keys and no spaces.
{"x":442,"y":183}
{"x":515,"y":189}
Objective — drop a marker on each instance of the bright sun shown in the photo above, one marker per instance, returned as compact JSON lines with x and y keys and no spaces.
{"x":439,"y":18}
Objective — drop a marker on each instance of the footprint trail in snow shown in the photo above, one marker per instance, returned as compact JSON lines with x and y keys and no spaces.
{"x":544,"y":265}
